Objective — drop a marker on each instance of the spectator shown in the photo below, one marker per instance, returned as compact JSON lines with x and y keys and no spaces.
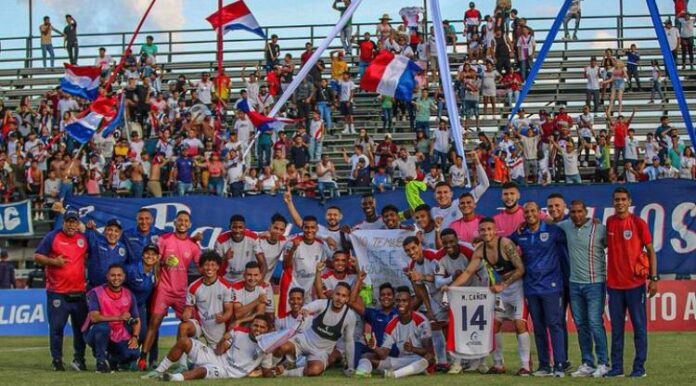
{"x":503,"y":52}
{"x":148,"y":51}
{"x":46,"y":40}
{"x":7,"y":187}
{"x":265,"y":100}
{"x":585,"y":123}
{"x":70,"y":35}
{"x":361,"y":175}
{"x":472,"y":91}
{"x":204,"y":88}
{"x":347,"y":31}
{"x":326,"y":174}
{"x":7,"y":272}
{"x":488,"y":88}
{"x":316,"y":137}
{"x":406,"y":164}
{"x":592,"y":74}
{"x":215,"y":170}
{"x":608,"y":64}
{"x":353,"y":162}
{"x":381,"y":181}
{"x":686,"y":32}
{"x":287,"y":70}
{"x":251,"y":183}
{"x":619,"y":128}
{"x":570,"y":161}
{"x":346,"y":93}
{"x":268,"y":182}
{"x":299,"y":153}
{"x":441,"y":145}
{"x":387,"y":105}
{"x":526,"y":47}
{"x":673,"y":38}
{"x":632,"y":148}
{"x":384,"y":29}
{"x":283,"y":144}
{"x":515,"y":165}
{"x":573,"y":13}
{"x":272,"y":53}
{"x":632,"y":62}
{"x":513,"y":84}
{"x":338,"y":67}
{"x":234,"y":174}
{"x":306,"y":54}
{"x":434,"y":177}
{"x":688,"y":164}
{"x":303,"y":101}
{"x":618,"y":83}
{"x":325,"y":98}
{"x":656,"y":79}
{"x":450,"y":35}
{"x":279,"y":165}
{"x":472,"y":20}
{"x":182,"y":173}
{"x":424,"y":105}
{"x":458,"y":173}
{"x":367,"y":50}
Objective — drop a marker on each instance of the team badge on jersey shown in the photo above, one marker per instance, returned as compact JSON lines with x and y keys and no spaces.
{"x":628,"y":234}
{"x":544,"y":236}
{"x":154,"y":239}
{"x":80,"y":243}
{"x":122,"y":251}
{"x":56,"y":303}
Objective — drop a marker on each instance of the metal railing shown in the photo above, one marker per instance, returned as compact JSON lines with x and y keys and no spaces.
{"x":199,"y":44}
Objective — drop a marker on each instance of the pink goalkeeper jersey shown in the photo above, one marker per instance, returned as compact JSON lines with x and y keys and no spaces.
{"x":176,"y":256}
{"x":466,"y":230}
{"x":508,"y":223}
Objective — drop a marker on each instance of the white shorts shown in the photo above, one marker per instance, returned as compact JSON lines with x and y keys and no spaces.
{"x":510,"y":303}
{"x":395,"y":363}
{"x":201,"y":333}
{"x":204,"y":356}
{"x":303,"y":347}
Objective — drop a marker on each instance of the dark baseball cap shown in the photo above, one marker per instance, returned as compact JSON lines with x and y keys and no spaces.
{"x":71,"y":214}
{"x":114,"y":222}
{"x":151,"y":247}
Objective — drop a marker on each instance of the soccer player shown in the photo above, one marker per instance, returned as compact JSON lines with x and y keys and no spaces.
{"x":332,"y":319}
{"x":252,"y":296}
{"x":587,"y":284}
{"x":238,"y":246}
{"x":177,"y":252}
{"x":324,"y":284}
{"x":143,"y":234}
{"x":368,"y":203}
{"x":543,"y":287}
{"x":456,"y":260}
{"x":105,"y":250}
{"x":630,"y":260}
{"x":302,"y":255}
{"x":295,"y":303}
{"x":509,"y":219}
{"x":271,"y":244}
{"x":63,"y":252}
{"x":410,"y":332}
{"x":236,"y":356}
{"x":421,"y":271}
{"x":443,"y":195}
{"x":113,"y":324}
{"x":333,"y":234}
{"x":427,"y":227}
{"x":500,"y":253}
{"x":392,"y":220}
{"x":466,"y":227}
{"x":140,"y":280}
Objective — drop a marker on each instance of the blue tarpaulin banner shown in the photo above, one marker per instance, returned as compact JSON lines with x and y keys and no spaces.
{"x":15,"y":219}
{"x":24,"y":313}
{"x":667,"y":205}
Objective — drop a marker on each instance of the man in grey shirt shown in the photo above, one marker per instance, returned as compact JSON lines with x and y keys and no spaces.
{"x":588,"y":272}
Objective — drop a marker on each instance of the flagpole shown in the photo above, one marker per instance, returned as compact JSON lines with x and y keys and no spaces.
{"x":130,"y":45}
{"x":219,"y":63}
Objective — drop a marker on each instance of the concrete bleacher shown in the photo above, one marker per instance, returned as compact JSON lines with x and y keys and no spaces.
{"x":560,"y":82}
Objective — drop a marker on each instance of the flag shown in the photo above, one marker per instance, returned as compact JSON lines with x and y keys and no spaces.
{"x":236,"y":16}
{"x":117,"y":120}
{"x":392,"y":75}
{"x":264,"y":123}
{"x":84,"y":128}
{"x":270,"y":341}
{"x":81,"y":81}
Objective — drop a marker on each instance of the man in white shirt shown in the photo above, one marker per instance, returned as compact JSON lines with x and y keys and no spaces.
{"x":632,"y":146}
{"x":252,"y":296}
{"x":406,"y":164}
{"x":204,"y":88}
{"x":592,"y":76}
{"x":441,"y":144}
{"x":353,"y":159}
{"x":458,"y":173}
{"x":673,"y":38}
{"x":345,"y":97}
{"x":238,"y":246}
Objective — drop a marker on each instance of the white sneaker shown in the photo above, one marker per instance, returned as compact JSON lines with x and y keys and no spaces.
{"x":389,"y":374}
{"x":543,"y":373}
{"x":154,"y":374}
{"x":583,"y":370}
{"x":455,"y":368}
{"x":601,"y":370}
{"x":559,"y":373}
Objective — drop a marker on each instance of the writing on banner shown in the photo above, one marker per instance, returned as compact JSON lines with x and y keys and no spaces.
{"x":15,"y":219}
{"x":381,"y":255}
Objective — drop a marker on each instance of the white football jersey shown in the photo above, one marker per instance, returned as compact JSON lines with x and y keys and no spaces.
{"x":397,"y":333}
{"x":244,"y":252}
{"x":305,"y":260}
{"x":244,"y":355}
{"x":208,"y":301}
{"x":272,"y":253}
{"x":449,"y":214}
{"x":242,"y":296}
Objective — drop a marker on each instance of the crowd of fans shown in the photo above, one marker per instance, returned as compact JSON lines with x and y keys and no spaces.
{"x":178,"y":137}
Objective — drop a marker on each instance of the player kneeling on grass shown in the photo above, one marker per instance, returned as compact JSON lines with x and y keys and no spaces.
{"x":236,"y":356}
{"x":332,"y":319}
{"x":112,"y":326}
{"x":410,"y":332}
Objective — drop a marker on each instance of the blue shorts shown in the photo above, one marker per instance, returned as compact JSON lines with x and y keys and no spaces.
{"x":471,"y":109}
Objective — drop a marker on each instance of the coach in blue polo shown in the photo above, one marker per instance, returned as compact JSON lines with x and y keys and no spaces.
{"x":105,"y":250}
{"x":541,"y":246}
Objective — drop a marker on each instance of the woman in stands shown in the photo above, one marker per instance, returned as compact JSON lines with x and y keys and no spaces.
{"x":618,"y":83}
{"x":608,"y":63}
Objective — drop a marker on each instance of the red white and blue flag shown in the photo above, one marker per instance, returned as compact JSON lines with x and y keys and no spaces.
{"x":81,"y":81}
{"x":393,"y":75}
{"x":262,"y":122}
{"x":83,"y":129}
{"x":236,"y":16}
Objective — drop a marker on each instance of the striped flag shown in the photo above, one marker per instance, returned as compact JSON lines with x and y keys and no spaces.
{"x":81,"y":81}
{"x":236,"y":16}
{"x":392,"y":75}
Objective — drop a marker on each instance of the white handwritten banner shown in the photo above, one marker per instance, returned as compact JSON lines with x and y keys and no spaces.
{"x":380,"y":253}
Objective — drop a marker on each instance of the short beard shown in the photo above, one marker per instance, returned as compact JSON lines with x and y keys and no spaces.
{"x":511,"y":206}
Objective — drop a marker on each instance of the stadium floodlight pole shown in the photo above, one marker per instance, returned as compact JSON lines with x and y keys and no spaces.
{"x":129,"y":46}
{"x":304,"y":70}
{"x":446,"y":82}
{"x":218,"y":80}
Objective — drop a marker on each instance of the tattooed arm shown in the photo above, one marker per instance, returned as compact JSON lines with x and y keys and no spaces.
{"x":510,"y":253}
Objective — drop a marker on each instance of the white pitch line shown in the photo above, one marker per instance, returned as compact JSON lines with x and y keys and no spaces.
{"x":23,"y":349}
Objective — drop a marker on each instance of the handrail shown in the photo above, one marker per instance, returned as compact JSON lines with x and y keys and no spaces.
{"x":26,"y":49}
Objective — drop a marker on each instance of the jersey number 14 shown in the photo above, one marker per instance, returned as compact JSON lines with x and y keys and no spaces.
{"x":477,"y":319}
